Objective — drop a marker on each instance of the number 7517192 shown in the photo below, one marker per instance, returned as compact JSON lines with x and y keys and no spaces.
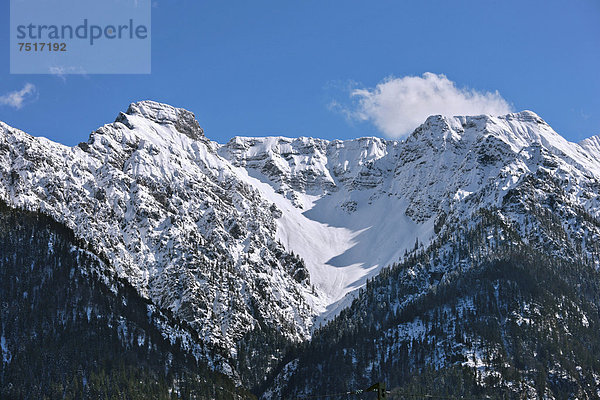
{"x":50,"y":46}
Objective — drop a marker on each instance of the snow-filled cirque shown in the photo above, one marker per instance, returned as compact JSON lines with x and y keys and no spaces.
{"x":344,"y":235}
{"x":274,"y":229}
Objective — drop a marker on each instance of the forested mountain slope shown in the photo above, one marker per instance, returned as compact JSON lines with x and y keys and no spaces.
{"x":70,"y":330}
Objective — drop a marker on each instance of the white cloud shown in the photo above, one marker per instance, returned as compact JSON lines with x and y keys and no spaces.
{"x":17,"y":98}
{"x":61,"y":72}
{"x":396,"y":106}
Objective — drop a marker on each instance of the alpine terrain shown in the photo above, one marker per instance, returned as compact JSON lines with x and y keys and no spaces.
{"x":151,"y":261}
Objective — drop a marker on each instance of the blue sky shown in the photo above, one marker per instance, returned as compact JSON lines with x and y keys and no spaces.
{"x":289,"y":67}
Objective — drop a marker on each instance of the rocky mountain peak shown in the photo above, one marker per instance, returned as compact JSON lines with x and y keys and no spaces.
{"x":182,"y":120}
{"x":525,"y":116}
{"x":592,"y":145}
{"x":517,"y":130}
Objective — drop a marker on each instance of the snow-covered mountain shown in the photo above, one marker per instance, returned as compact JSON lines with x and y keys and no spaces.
{"x":274,"y":232}
{"x":151,"y":195}
{"x":351,"y":207}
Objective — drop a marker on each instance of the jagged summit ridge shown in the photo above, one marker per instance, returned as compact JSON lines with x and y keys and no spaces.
{"x":517,"y":129}
{"x":182,"y":120}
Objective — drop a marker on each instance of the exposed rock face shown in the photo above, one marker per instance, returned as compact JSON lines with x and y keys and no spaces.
{"x":182,"y":120}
